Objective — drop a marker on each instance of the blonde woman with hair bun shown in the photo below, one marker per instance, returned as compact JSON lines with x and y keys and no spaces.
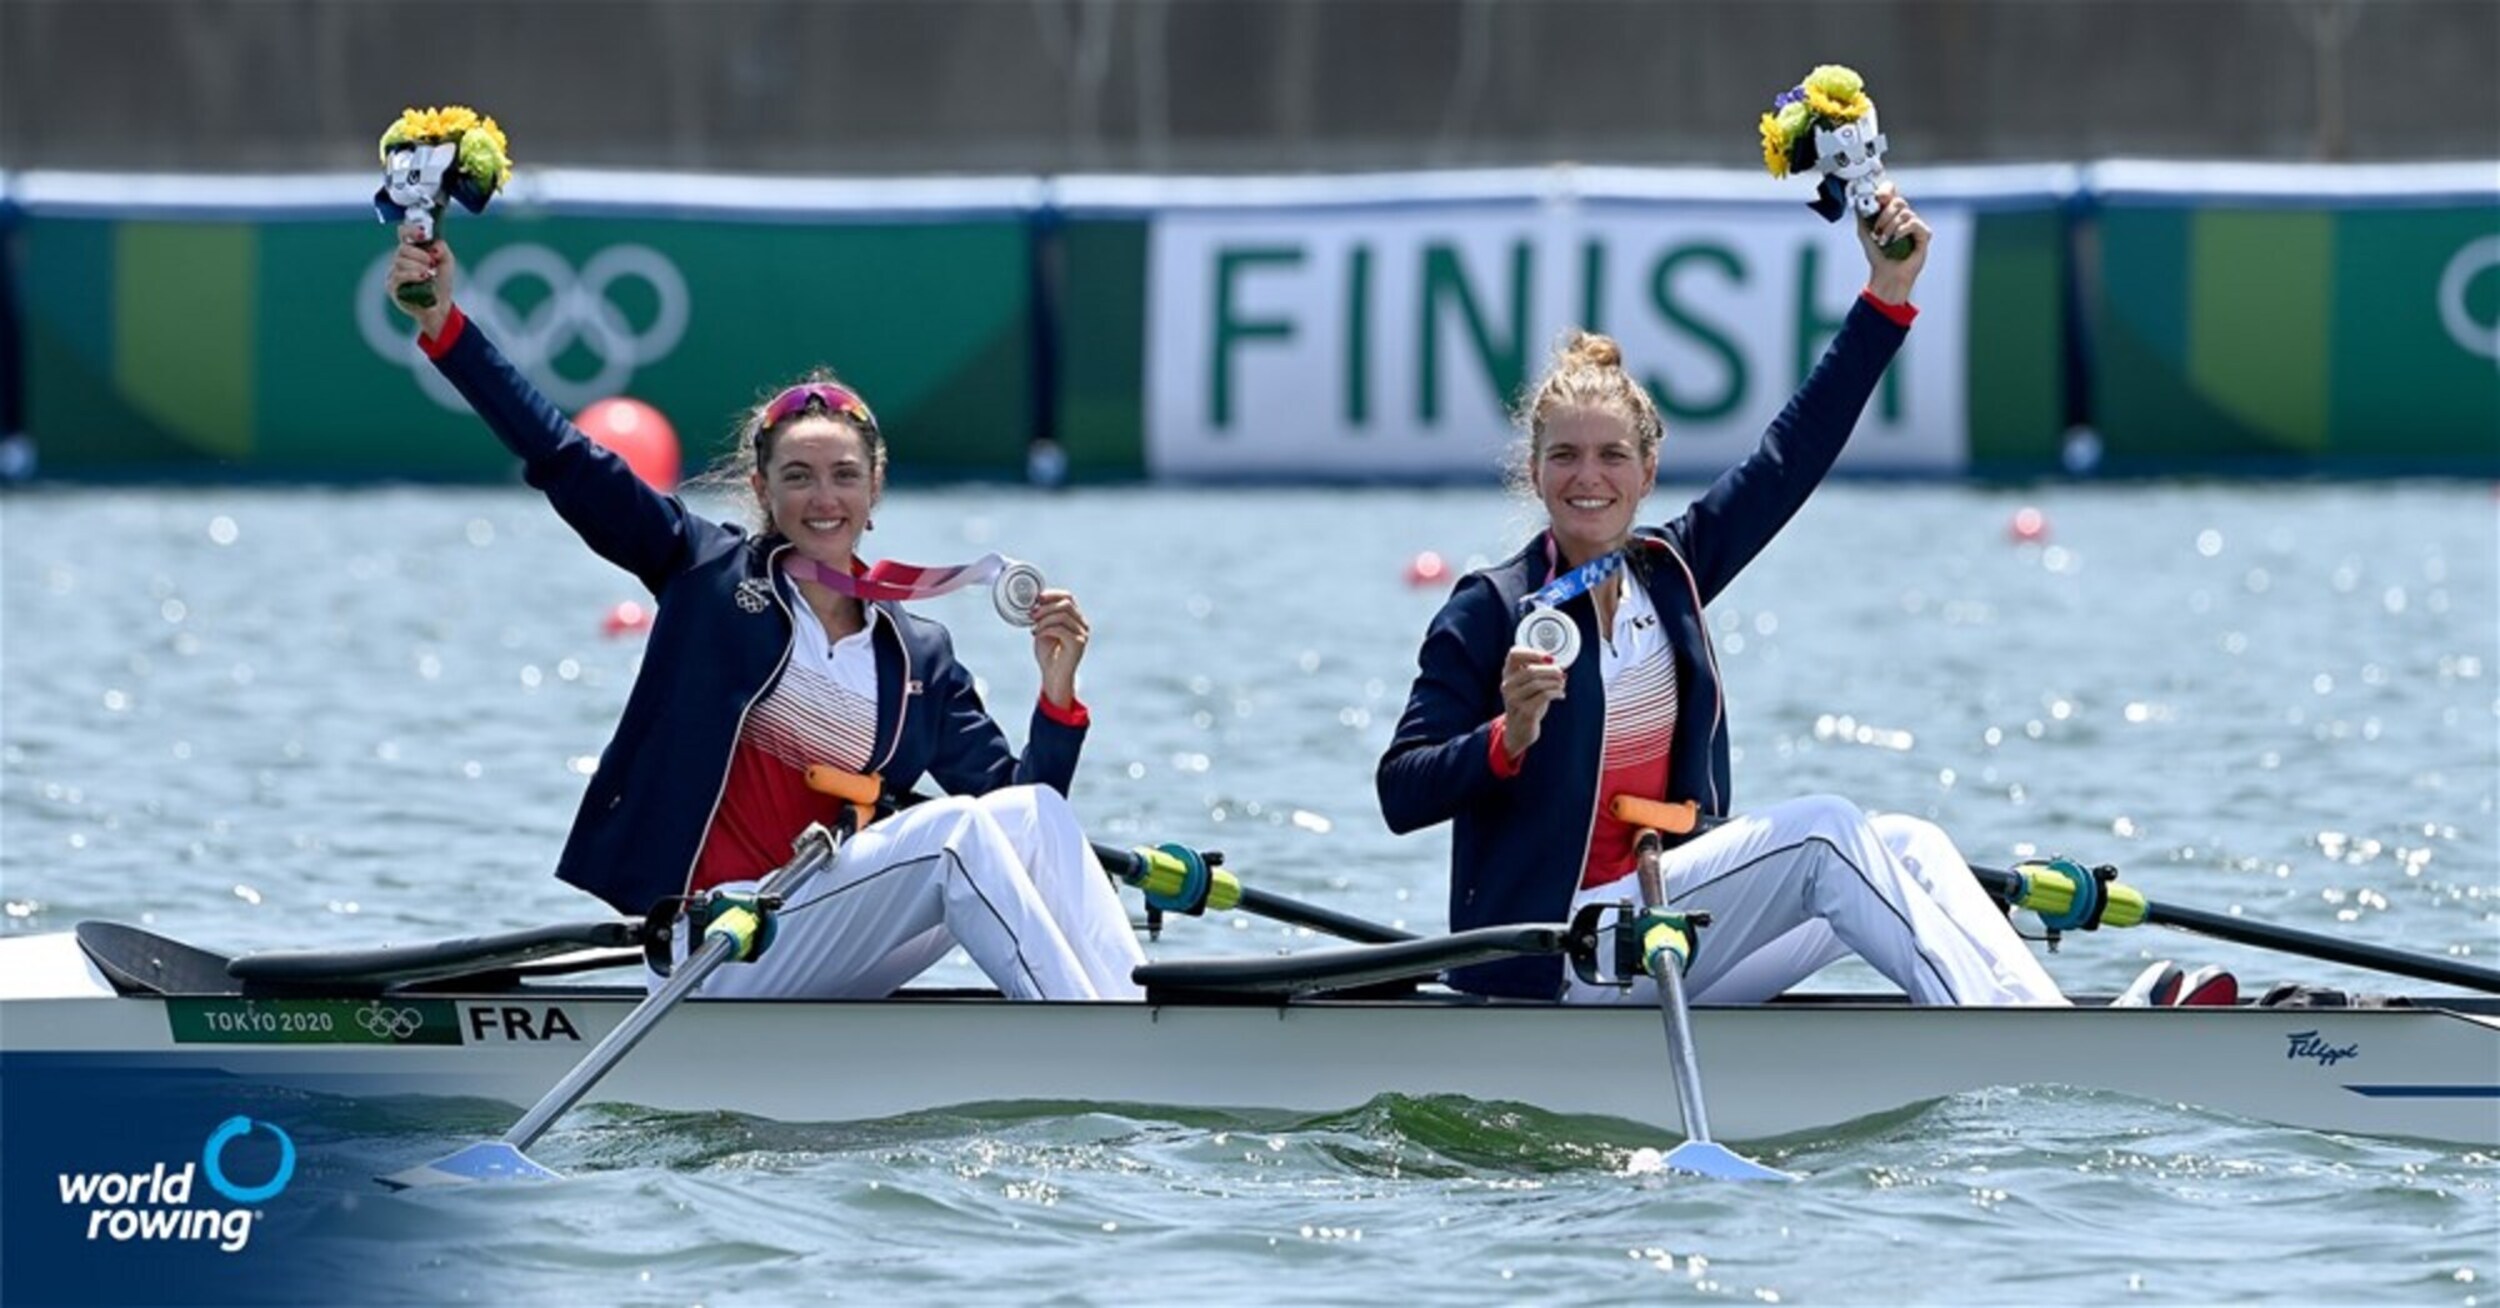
{"x":1520,"y":746}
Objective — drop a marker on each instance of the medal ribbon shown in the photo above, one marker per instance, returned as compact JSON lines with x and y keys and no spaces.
{"x":889,"y":580}
{"x":1572,"y":584}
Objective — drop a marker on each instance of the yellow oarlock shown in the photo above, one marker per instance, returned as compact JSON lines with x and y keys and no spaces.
{"x":744,"y":926}
{"x":1165,"y":880}
{"x":1666,"y":941}
{"x":2051,"y":889}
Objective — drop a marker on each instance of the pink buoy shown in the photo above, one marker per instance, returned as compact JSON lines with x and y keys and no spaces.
{"x":1426,"y":569}
{"x":638,"y":435}
{"x":626,"y":619}
{"x":2029,"y":526}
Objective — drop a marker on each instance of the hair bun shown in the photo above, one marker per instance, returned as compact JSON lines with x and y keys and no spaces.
{"x":1595,"y":348}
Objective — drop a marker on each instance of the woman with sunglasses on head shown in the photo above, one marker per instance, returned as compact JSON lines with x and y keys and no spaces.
{"x":765,"y":660}
{"x":1523,"y":754}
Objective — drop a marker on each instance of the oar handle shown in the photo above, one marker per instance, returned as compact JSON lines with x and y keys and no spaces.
{"x":1682,"y":818}
{"x":863,"y":791}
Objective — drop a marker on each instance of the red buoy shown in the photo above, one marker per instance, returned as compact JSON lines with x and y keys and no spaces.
{"x":2029,"y":527}
{"x":627,"y":618}
{"x":1426,"y":569}
{"x":638,"y":435}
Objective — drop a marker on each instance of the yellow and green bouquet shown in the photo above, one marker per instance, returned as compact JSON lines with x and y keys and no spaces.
{"x":1826,"y":124}
{"x":431,"y":157}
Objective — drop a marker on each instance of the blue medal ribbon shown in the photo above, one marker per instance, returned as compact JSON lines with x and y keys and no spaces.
{"x":1576,"y":582}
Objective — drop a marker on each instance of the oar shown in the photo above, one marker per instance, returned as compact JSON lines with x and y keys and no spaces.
{"x":731,"y":933}
{"x":1666,"y":945}
{"x":1178,"y":879}
{"x":2053,"y":888}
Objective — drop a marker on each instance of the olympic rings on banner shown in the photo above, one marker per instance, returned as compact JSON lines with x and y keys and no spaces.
{"x":571,"y":315}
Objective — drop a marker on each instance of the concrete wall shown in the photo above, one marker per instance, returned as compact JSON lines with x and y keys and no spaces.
{"x":1232,"y":85}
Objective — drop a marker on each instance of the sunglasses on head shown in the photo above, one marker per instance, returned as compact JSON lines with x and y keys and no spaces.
{"x":839,"y":401}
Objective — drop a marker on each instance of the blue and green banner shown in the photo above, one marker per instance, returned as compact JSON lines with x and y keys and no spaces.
{"x":180,"y":343}
{"x":2209,"y":319}
{"x":2297,"y":328}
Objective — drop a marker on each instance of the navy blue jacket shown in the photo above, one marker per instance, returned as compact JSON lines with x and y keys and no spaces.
{"x":719,"y":642}
{"x":1517,"y":845}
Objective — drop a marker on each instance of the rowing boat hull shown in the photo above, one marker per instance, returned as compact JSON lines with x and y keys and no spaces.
{"x":1770,"y":1070}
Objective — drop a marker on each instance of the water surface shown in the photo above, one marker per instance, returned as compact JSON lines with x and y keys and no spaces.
{"x":282,"y":717}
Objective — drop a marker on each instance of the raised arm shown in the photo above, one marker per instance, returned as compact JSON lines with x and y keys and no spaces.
{"x":647,"y":533}
{"x":1738,"y":515}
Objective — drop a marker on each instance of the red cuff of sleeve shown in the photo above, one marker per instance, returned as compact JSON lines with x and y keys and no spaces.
{"x":436,"y":347}
{"x":1504,"y":766}
{"x":1901,"y":313}
{"x":1074,"y":715}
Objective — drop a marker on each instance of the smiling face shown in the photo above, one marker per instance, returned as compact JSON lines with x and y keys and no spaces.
{"x":1590,"y":471}
{"x":817,"y":484}
{"x":1589,"y":440}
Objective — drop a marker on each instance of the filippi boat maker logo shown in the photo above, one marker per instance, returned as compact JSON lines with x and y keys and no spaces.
{"x":157,"y":1205}
{"x":2311,"y":1045}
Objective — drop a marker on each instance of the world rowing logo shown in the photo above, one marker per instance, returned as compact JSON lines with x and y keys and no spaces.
{"x":212,"y":1160}
{"x":155,"y":1205}
{"x":548,"y":318}
{"x":389,"y":1023}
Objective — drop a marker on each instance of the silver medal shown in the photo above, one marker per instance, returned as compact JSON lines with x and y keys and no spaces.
{"x":1016,"y":590}
{"x":1547,"y":631}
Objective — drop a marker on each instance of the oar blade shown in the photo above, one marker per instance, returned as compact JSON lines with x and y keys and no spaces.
{"x":1720,"y":1163}
{"x":479,"y":1164}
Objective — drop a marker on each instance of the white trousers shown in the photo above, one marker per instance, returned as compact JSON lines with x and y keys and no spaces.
{"x":1795,"y":887}
{"x":1008,"y":875}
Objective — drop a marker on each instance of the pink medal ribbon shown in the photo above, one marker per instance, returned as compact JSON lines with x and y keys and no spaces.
{"x":1015,"y":586}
